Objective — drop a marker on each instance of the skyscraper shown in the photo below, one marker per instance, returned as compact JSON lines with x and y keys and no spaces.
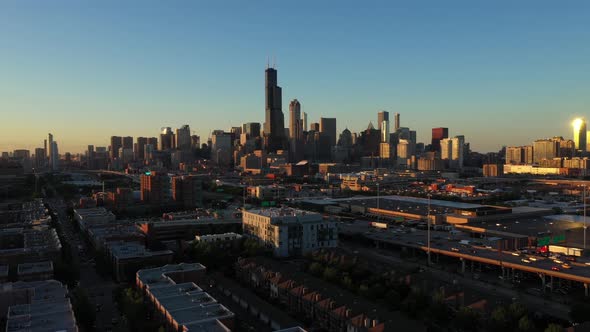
{"x":304,"y":121}
{"x":580,"y":134}
{"x":167,"y":141}
{"x":127,"y":142}
{"x":328,"y":127}
{"x":545,"y":149}
{"x":382,"y":116}
{"x":385,"y":131}
{"x":252,"y":129}
{"x":274,"y":125}
{"x":140,"y":147}
{"x":437,"y":135}
{"x":295,"y":123}
{"x":183,"y":138}
{"x":116,"y":142}
{"x":49,"y":149}
{"x":397,"y":123}
{"x":458,"y":151}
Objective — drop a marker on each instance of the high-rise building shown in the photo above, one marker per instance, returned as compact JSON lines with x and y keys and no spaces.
{"x":397,"y":122}
{"x":458,"y":151}
{"x":382,"y":116}
{"x":274,"y":125}
{"x":314,"y":127}
{"x":385,"y":131}
{"x":167,"y":141}
{"x":140,"y":147}
{"x":437,"y":135}
{"x":295,"y":122}
{"x":127,"y":142}
{"x":545,"y":149}
{"x":304,"y":119}
{"x":252,"y":129}
{"x":153,"y":141}
{"x":183,"y":138}
{"x":116,"y":144}
{"x":328,"y":127}
{"x":40,"y":159}
{"x":580,"y":134}
{"x":446,"y":149}
{"x":187,"y":190}
{"x":221,"y":148}
{"x":49,"y":149}
{"x":515,"y":155}
{"x":152,"y":186}
{"x":90,"y":157}
{"x":54,"y":156}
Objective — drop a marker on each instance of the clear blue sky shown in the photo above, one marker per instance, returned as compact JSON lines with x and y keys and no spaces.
{"x":499,"y":72}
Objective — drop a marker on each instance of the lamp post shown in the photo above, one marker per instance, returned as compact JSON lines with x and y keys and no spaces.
{"x":377,"y":195}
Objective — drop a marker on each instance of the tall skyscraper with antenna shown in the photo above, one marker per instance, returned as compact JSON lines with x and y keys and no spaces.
{"x":274,"y":125}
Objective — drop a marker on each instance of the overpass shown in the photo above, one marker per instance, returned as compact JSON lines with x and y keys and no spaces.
{"x":447,"y":244}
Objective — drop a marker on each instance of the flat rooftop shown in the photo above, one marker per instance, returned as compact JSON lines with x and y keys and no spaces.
{"x":127,"y":250}
{"x":155,"y":275}
{"x":37,"y":267}
{"x":282,"y":212}
{"x":209,"y":326}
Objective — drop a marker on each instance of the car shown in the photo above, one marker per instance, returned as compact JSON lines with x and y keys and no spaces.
{"x":557,"y":261}
{"x":524,"y":260}
{"x":455,"y":249}
{"x":555,"y":268}
{"x":533,"y":259}
{"x":566,"y":266}
{"x":515,"y":254}
{"x":570,"y":258}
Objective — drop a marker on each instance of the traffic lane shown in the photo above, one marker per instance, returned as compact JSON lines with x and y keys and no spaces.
{"x":418,"y":240}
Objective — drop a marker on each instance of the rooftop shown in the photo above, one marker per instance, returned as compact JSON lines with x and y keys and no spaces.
{"x":159,"y":274}
{"x":127,"y":250}
{"x":36,"y":267}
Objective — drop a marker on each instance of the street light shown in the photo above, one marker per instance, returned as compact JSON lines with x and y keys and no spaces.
{"x":377,"y":195}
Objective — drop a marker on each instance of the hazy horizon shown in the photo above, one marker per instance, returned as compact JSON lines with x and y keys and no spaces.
{"x":500,"y":73}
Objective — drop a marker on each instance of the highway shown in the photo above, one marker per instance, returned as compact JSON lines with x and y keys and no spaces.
{"x":448,"y":244}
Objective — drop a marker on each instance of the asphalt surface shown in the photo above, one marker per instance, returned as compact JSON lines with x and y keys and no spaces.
{"x":448,"y":244}
{"x":99,"y":290}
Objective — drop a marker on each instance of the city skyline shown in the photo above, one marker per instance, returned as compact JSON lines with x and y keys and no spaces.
{"x":484,"y":84}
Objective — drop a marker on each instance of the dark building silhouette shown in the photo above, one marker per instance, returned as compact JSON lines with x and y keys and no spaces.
{"x":328,"y":128}
{"x":116,"y":144}
{"x":437,"y":135}
{"x":274,"y":125}
{"x":252,"y":129}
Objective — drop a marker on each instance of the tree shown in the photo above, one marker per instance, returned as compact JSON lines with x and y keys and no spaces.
{"x":316,"y":269}
{"x":525,"y":324}
{"x":330,"y":274}
{"x":554,"y":328}
{"x":580,"y":312}
{"x":499,"y":319}
{"x":467,"y":319}
{"x":516,"y":310}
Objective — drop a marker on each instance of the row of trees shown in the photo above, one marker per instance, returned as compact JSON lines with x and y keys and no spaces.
{"x":390,"y":289}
